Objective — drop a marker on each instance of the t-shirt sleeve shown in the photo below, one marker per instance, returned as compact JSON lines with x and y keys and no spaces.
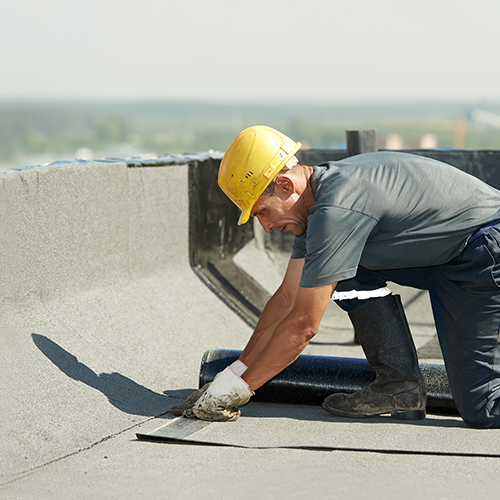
{"x":334,"y":242}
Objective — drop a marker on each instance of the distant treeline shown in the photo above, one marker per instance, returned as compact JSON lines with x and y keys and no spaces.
{"x":30,"y":128}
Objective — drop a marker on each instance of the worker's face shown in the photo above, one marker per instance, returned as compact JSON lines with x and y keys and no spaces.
{"x":281,"y":210}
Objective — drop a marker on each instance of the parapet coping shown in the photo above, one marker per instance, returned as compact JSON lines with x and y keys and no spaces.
{"x":133,"y":162}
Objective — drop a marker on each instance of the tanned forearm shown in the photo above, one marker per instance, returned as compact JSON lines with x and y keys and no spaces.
{"x":283,"y":347}
{"x":276,"y":309}
{"x":290,"y":336}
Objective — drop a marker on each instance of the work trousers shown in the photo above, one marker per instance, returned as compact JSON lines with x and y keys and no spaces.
{"x":465,"y":298}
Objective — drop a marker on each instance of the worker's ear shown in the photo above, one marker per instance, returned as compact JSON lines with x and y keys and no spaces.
{"x":285,"y":184}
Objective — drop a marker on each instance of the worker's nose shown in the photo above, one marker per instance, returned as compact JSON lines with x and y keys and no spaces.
{"x":268,"y":226}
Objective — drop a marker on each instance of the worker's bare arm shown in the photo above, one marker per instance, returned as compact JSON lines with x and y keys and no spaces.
{"x":276,"y":309}
{"x":291,"y":335}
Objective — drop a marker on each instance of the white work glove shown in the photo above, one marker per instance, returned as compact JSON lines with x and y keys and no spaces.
{"x":185,"y":408}
{"x":221,"y":400}
{"x":238,"y":367}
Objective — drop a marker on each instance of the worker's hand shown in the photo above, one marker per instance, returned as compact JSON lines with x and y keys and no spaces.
{"x":179,"y":410}
{"x":221,"y":400}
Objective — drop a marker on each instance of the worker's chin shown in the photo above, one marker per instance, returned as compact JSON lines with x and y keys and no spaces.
{"x":292,"y":228}
{"x":297,"y":230}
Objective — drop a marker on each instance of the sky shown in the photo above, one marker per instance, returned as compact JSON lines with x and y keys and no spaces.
{"x":310,"y":51}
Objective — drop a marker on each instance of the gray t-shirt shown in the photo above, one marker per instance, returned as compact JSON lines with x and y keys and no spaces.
{"x":389,"y":210}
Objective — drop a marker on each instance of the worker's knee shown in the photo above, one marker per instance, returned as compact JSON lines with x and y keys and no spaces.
{"x":483,"y":418}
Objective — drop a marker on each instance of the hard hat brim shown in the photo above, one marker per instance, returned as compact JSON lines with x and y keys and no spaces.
{"x":244,"y":216}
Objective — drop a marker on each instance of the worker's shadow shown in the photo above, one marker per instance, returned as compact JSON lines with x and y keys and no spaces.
{"x":122,"y":392}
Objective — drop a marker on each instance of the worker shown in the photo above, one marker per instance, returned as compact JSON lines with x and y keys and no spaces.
{"x":359,"y":223}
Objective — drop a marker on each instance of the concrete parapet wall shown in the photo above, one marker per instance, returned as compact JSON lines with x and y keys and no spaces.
{"x":84,"y":225}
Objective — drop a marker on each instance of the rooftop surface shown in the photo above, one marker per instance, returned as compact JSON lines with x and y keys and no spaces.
{"x":104,"y":325}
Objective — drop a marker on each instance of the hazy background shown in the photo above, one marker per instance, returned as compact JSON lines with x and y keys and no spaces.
{"x":125,"y":77}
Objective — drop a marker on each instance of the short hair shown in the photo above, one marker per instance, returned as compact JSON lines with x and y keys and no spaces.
{"x":290,"y":164}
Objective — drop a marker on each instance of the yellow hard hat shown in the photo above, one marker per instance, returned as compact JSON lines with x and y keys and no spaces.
{"x":251,"y":163}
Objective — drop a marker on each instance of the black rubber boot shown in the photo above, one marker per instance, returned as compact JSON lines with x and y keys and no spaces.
{"x":398,"y":388}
